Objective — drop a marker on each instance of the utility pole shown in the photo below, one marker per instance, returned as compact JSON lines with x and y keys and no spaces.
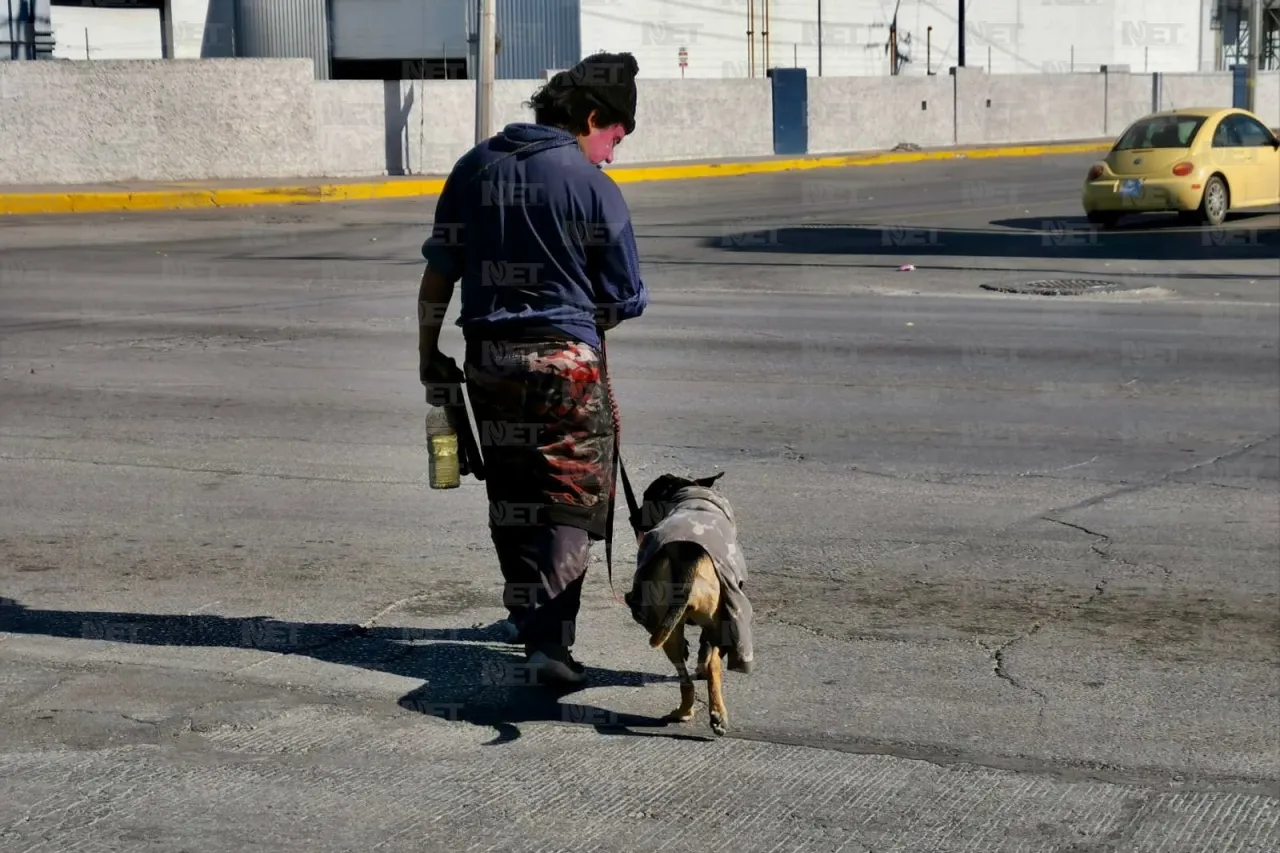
{"x":1255,"y":55}
{"x":960,"y":24}
{"x":484,"y":77}
{"x":819,"y":38}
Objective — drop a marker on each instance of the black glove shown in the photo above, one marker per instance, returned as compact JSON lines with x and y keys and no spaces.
{"x":446,"y":383}
{"x":443,"y":380}
{"x":443,"y":370}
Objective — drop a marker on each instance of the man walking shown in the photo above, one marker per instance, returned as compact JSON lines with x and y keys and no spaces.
{"x":541,"y":239}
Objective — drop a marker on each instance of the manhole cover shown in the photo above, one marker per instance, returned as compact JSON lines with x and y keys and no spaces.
{"x":1060,"y":287}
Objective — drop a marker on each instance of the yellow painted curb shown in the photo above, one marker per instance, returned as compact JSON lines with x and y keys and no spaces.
{"x":104,"y":202}
{"x":724,"y":170}
{"x":187,"y":199}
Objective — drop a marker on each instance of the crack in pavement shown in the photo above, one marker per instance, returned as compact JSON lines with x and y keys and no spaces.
{"x":935,"y":479}
{"x":1130,"y":488}
{"x":814,"y":632}
{"x":998,"y":655}
{"x":392,"y":607}
{"x":1103,"y":549}
{"x":1002,"y":673}
{"x":1043,"y":474}
{"x":50,"y":713}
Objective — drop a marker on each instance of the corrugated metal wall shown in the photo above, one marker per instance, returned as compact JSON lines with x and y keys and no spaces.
{"x":284,"y":28}
{"x":537,"y":35}
{"x":401,"y":29}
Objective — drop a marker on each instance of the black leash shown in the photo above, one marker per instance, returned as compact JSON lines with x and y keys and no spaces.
{"x":618,"y":468}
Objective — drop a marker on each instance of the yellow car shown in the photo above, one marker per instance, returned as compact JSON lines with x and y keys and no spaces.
{"x":1199,"y":162}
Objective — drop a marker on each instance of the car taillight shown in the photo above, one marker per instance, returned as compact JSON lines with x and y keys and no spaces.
{"x":1183,"y":169}
{"x":1095,"y":173}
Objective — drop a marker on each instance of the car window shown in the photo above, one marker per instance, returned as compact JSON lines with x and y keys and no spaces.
{"x":1251,"y":132}
{"x":1161,"y":132}
{"x":1226,"y":135}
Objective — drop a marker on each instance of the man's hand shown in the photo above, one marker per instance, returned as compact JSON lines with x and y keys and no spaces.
{"x":442,"y":379}
{"x":437,"y":368}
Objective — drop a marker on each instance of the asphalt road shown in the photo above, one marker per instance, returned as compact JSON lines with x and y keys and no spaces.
{"x":1014,"y":560}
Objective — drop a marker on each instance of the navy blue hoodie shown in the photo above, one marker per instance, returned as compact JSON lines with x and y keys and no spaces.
{"x":538,"y":237}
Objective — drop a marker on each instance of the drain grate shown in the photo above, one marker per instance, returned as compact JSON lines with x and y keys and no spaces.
{"x":1060,"y":287}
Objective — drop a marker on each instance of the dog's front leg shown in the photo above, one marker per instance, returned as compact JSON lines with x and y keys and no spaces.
{"x":677,"y":649}
{"x":715,"y":692}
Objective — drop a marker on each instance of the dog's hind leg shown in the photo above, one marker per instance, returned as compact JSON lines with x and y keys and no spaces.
{"x":704,"y":649}
{"x":677,"y":649}
{"x":715,"y":691}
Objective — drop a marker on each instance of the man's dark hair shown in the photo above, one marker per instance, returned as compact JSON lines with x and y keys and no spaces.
{"x":604,"y":83}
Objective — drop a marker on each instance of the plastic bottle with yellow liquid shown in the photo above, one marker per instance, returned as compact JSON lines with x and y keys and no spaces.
{"x":442,"y":447}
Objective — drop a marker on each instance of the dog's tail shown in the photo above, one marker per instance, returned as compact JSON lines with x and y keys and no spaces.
{"x":684,"y":559}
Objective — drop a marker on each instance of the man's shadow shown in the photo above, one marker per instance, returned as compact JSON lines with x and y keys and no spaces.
{"x":470,"y":674}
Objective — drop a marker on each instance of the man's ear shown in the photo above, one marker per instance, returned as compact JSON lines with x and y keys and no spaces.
{"x":706,"y":482}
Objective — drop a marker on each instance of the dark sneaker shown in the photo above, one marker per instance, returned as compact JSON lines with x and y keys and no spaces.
{"x":555,"y":665}
{"x":509,"y":631}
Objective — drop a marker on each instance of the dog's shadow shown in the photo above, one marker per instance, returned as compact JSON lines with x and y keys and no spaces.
{"x":487,"y":686}
{"x":470,"y":674}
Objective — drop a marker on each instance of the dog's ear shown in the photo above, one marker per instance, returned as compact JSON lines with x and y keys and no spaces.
{"x":707,"y":482}
{"x":660,"y":488}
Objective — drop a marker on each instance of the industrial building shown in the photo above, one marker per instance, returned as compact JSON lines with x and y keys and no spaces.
{"x":409,"y":39}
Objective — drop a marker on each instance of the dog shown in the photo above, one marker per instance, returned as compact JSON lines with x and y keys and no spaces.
{"x":677,"y":583}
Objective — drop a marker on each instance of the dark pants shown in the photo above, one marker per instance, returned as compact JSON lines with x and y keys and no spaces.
{"x":546,"y":431}
{"x":544,"y":568}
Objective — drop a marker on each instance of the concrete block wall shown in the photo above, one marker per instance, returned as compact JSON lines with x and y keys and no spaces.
{"x":406,"y":127}
{"x":707,"y":120}
{"x":155,"y":120}
{"x":423,"y":127}
{"x":1179,"y":91}
{"x":868,"y":113}
{"x":1268,"y":99}
{"x":1004,"y":108}
{"x":1128,"y":98}
{"x":357,"y":122}
{"x":207,"y":119}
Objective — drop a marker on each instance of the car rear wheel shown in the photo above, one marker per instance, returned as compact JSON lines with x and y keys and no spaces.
{"x":1214,"y":203}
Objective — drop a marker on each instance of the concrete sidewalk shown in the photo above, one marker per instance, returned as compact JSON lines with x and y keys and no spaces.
{"x":231,"y":751}
{"x":187,"y":195}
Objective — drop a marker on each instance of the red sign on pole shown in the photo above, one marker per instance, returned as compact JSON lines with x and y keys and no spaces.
{"x":684,"y":58}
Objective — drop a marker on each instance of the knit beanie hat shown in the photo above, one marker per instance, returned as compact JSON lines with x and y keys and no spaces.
{"x":610,"y":79}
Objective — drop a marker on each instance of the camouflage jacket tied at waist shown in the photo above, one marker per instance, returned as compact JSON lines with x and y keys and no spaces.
{"x":703,"y":517}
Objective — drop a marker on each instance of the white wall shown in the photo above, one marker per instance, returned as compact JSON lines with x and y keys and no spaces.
{"x":1019,"y":36}
{"x":1208,"y":42}
{"x":713,"y":32}
{"x":119,"y":33}
{"x":1037,"y":36}
{"x":1023,"y":36}
{"x":202,"y":28}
